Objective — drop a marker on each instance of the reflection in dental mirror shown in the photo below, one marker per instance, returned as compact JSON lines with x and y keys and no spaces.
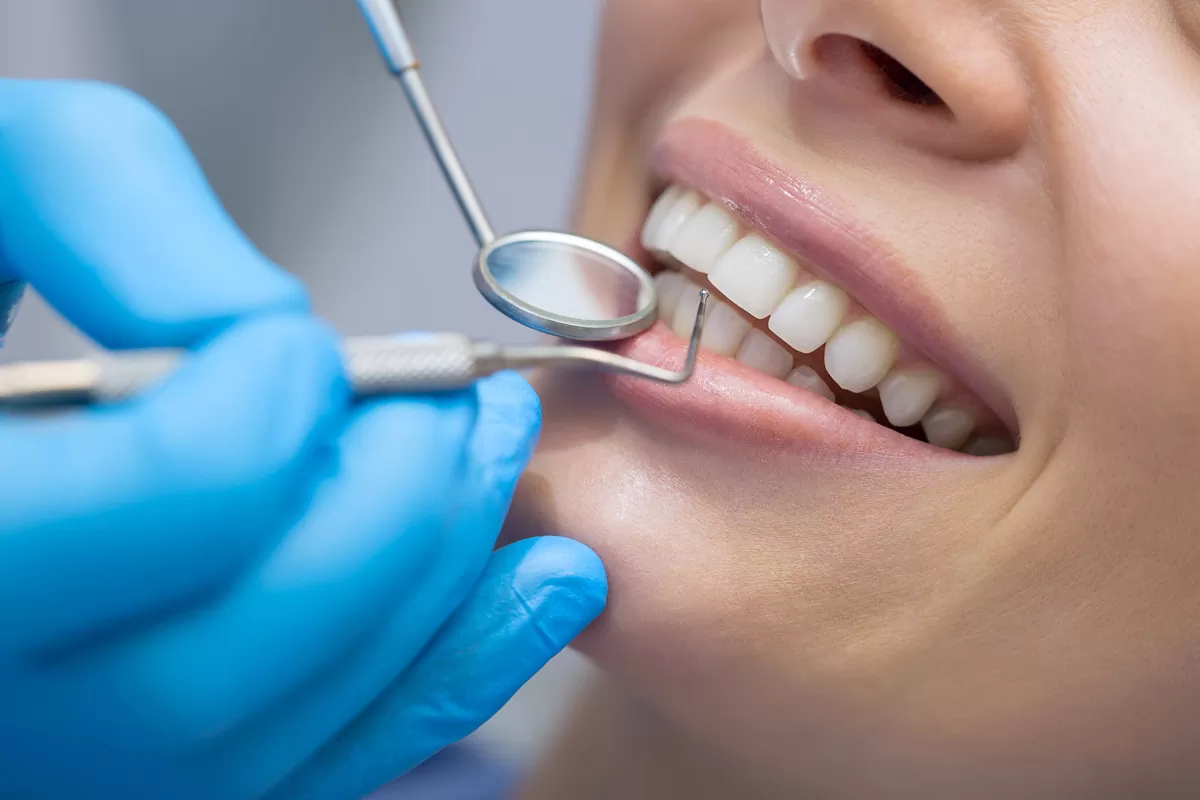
{"x":567,"y":286}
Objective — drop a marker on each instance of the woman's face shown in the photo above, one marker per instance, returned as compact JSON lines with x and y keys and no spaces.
{"x":979,"y":221}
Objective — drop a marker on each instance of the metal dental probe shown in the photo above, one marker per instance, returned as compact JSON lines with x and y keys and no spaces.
{"x":375,"y":366}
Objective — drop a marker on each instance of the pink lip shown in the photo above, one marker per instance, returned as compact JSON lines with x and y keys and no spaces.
{"x":805,"y":219}
{"x":731,"y":402}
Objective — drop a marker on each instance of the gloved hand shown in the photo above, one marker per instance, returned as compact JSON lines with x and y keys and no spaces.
{"x":243,"y":583}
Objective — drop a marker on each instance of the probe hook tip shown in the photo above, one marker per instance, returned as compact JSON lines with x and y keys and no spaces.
{"x":697,"y":332}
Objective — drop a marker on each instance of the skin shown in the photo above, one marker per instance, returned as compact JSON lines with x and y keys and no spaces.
{"x":1015,"y":627}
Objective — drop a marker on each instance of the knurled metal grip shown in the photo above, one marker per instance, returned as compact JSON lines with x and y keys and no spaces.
{"x":384,"y":366}
{"x":374,"y":367}
{"x":120,"y":378}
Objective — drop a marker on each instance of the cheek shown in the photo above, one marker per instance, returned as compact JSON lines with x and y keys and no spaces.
{"x":807,"y":610}
{"x":651,"y":47}
{"x":1131,"y":228}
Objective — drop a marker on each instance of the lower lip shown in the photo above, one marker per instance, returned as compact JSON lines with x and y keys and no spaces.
{"x":727,"y":401}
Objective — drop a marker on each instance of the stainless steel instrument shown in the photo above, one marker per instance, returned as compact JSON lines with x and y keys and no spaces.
{"x":374,"y":366}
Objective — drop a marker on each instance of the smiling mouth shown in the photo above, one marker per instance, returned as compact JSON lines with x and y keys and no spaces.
{"x":775,"y":314}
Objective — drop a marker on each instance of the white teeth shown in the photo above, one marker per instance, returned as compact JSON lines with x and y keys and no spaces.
{"x":907,"y":396}
{"x":724,"y":330}
{"x":809,"y":315}
{"x":667,"y":228}
{"x":948,"y":427}
{"x":684,"y":319}
{"x":764,"y":354}
{"x":807,"y":378}
{"x":705,"y":237}
{"x":861,"y":354}
{"x":986,"y":446}
{"x":658,"y":212}
{"x":759,"y":282}
{"x":754,"y":275}
{"x":670,"y":289}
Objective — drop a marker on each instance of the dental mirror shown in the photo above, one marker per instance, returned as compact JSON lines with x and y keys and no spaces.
{"x":568,"y":286}
{"x":556,"y":283}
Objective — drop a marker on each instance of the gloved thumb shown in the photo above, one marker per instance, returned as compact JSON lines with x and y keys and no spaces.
{"x":534,"y":598}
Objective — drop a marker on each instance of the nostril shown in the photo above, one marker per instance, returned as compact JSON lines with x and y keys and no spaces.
{"x":899,"y":80}
{"x":875,"y":68}
{"x":938,"y":75}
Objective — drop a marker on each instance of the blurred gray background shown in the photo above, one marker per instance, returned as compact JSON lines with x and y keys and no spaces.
{"x":311,"y":147}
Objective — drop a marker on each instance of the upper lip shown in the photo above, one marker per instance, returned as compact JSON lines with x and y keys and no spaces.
{"x":805,"y":219}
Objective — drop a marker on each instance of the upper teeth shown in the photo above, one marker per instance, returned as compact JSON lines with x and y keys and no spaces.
{"x":809,"y":315}
{"x":804,"y":311}
{"x":755,"y":275}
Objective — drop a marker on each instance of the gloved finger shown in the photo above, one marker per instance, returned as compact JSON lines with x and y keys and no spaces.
{"x":534,"y":598}
{"x":105,"y":211}
{"x":111,"y":514}
{"x":374,"y":528}
{"x":259,"y":755}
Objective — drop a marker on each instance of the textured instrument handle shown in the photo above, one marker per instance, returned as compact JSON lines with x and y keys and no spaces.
{"x":436,"y":363}
{"x":374,"y":367}
{"x":121,"y":377}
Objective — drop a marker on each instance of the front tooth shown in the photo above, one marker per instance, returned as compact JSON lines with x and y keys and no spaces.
{"x":861,"y":354}
{"x":705,"y":237}
{"x":684,"y":320}
{"x":807,"y":378}
{"x":764,"y":354}
{"x":809,"y":315}
{"x":724,"y":330}
{"x":658,"y":213}
{"x":986,"y":446}
{"x":948,"y":427}
{"x":670,"y":289}
{"x":907,"y":396}
{"x":673,"y":220}
{"x":754,"y":275}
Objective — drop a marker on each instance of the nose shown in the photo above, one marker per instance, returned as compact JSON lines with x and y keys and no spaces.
{"x":941,"y":73}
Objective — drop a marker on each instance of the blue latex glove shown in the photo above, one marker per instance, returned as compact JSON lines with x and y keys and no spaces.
{"x":243,"y":583}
